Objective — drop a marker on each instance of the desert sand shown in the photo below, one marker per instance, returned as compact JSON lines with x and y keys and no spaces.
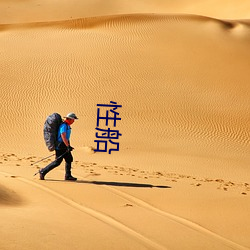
{"x":181,"y":177}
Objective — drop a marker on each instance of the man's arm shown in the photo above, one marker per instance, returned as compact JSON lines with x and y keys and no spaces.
{"x":66,"y":142}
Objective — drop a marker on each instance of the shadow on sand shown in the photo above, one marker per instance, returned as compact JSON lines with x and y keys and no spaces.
{"x":116,"y":184}
{"x":122,"y":184}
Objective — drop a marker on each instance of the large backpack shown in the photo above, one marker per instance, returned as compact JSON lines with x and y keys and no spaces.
{"x":50,"y":130}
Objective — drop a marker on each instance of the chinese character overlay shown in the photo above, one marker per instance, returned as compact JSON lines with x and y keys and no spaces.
{"x":110,"y":118}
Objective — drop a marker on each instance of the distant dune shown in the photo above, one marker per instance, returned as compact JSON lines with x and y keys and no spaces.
{"x":14,"y":11}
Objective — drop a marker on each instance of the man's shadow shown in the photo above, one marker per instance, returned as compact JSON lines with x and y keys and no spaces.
{"x":122,"y":184}
{"x":113,"y":183}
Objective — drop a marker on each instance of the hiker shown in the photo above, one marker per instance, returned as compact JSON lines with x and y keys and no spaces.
{"x":63,"y":149}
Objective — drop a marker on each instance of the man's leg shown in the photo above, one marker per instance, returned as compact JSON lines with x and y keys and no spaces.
{"x":68,"y":161}
{"x":52,"y":165}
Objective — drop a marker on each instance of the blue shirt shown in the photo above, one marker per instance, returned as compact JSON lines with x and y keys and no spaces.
{"x":64,"y":128}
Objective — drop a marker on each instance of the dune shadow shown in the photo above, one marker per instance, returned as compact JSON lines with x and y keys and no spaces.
{"x":9,"y":197}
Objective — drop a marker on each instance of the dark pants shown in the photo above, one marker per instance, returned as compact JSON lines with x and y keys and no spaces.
{"x":60,"y":155}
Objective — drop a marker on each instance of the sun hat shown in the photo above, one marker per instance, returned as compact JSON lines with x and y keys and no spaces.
{"x":71,"y":116}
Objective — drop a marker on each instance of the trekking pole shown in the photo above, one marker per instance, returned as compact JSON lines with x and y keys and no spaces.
{"x":42,"y":159}
{"x":48,"y":157}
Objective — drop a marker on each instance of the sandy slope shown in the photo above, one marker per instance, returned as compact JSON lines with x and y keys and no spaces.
{"x":181,"y":177}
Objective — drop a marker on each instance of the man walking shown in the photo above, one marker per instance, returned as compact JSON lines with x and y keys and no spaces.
{"x":63,"y":150}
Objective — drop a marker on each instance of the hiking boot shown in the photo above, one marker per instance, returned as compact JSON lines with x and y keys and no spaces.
{"x":41,"y":175}
{"x":70,"y":178}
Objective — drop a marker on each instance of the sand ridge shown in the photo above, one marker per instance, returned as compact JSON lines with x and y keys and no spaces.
{"x":110,"y":20}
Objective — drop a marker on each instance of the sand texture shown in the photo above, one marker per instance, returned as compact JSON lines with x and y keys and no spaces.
{"x":181,"y":178}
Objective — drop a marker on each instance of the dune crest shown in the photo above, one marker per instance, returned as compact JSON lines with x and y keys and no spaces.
{"x":109,"y":20}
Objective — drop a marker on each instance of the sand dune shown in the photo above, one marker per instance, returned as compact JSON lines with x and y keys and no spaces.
{"x":186,"y":111}
{"x":50,"y":10}
{"x":181,"y":177}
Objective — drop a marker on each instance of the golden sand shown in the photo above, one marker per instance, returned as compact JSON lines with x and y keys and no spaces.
{"x":180,"y":179}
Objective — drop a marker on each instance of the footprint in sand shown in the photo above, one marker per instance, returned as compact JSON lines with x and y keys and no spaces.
{"x":128,"y":205}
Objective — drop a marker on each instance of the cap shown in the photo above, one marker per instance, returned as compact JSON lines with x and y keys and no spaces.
{"x":71,"y":116}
